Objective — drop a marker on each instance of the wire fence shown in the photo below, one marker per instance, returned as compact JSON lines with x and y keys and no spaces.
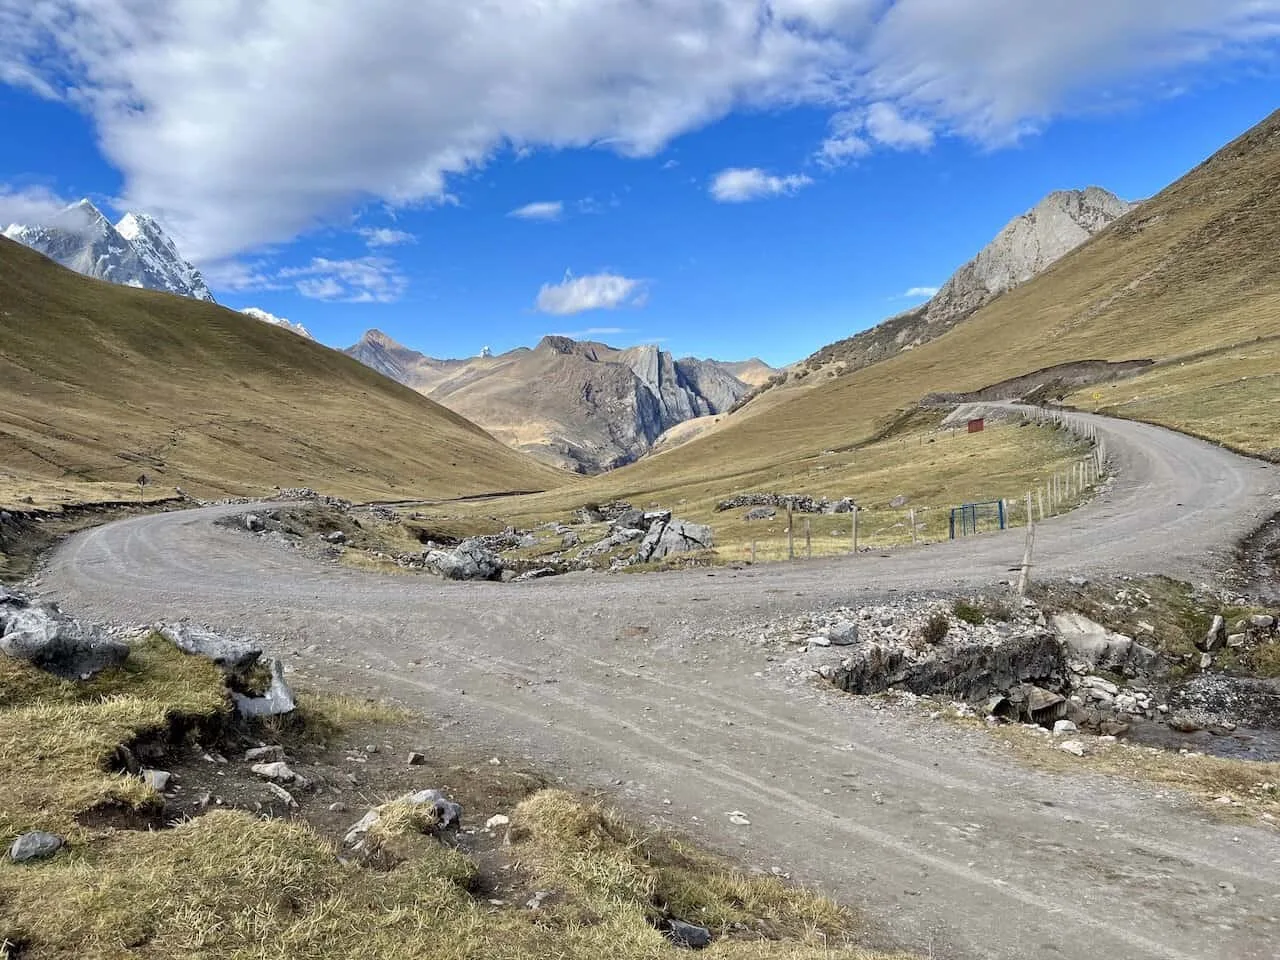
{"x":795,"y":536}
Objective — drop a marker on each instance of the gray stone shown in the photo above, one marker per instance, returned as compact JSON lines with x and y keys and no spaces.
{"x":665,"y":539}
{"x":277,"y":700}
{"x":1262,"y":621}
{"x":254,"y":523}
{"x":629,"y":519}
{"x":760,"y":513}
{"x":336,"y":537}
{"x":34,"y":846}
{"x":416,"y":759}
{"x":268,"y":754}
{"x":569,"y":540}
{"x":1236,"y":640}
{"x":1097,"y":646}
{"x":843,"y":634}
{"x":448,"y":815}
{"x":58,"y":644}
{"x":157,"y":780}
{"x":233,"y":656}
{"x":1064,"y":726}
{"x":1216,"y":637}
{"x":898,"y":502}
{"x":688,"y":935}
{"x":470,"y":560}
{"x":280,"y":772}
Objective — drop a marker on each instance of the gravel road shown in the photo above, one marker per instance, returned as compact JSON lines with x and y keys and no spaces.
{"x":643,"y":686}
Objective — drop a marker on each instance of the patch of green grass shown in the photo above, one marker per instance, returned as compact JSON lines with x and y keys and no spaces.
{"x":967,"y":612}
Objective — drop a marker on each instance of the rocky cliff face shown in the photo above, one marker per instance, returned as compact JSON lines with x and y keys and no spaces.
{"x":581,"y":405}
{"x":136,"y":252}
{"x":1026,"y":247}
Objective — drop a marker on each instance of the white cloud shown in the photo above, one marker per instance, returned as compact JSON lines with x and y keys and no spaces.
{"x":385,"y":237}
{"x":738,"y":185}
{"x":178,"y":89}
{"x":845,"y":142}
{"x":599,"y":291}
{"x":28,"y":205}
{"x":918,"y":292}
{"x":239,"y":275}
{"x":887,"y":125}
{"x":362,"y":280}
{"x":271,"y":318}
{"x":543,"y":210}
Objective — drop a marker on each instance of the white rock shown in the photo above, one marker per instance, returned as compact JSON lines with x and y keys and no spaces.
{"x":496,"y":821}
{"x":1073,"y":747}
{"x":1064,"y":726}
{"x":738,"y":818}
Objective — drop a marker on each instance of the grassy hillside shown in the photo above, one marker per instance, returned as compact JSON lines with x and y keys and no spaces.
{"x":103,"y":383}
{"x":1190,"y":274}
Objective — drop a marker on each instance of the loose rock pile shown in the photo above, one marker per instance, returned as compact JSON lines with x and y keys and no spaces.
{"x":1018,"y":665}
{"x":799,"y":504}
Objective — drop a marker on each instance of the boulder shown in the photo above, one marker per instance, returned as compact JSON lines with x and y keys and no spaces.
{"x":631,"y":518}
{"x":1095,"y":645}
{"x":760,"y":513}
{"x":1216,"y":637}
{"x":336,"y":537}
{"x":469,"y":560}
{"x":277,"y":700}
{"x":843,"y":634}
{"x":688,"y":935}
{"x":34,"y":846}
{"x":254,"y":523}
{"x":60,"y":645}
{"x":671,"y":537}
{"x":1262,"y":621}
{"x":233,"y":656}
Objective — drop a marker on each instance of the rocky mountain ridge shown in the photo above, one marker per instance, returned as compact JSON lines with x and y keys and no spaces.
{"x":136,"y":252}
{"x":581,"y":405}
{"x":1024,"y":248}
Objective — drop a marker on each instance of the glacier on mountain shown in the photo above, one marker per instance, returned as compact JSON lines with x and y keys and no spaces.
{"x":135,"y":252}
{"x":260,"y":314}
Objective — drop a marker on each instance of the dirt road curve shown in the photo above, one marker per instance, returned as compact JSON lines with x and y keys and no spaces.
{"x":949,"y":847}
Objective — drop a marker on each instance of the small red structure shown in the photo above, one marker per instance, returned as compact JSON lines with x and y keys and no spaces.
{"x":978,"y":425}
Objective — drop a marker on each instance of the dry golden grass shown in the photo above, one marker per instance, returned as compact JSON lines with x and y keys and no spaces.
{"x":1253,"y":787}
{"x":1231,"y":396}
{"x":935,"y":470}
{"x":230,"y":885}
{"x":100,"y":383}
{"x":39,"y":493}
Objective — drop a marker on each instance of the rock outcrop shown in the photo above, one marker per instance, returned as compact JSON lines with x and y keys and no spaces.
{"x":581,"y":405}
{"x":1026,"y":247}
{"x":48,"y":639}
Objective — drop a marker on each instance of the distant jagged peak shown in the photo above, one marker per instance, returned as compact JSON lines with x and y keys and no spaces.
{"x":259,"y":314}
{"x":136,"y":252}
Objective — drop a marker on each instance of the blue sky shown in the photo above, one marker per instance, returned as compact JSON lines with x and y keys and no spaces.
{"x":727,"y":177}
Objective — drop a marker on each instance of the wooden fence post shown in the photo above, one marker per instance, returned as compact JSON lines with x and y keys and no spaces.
{"x":912,"y":517}
{"x":1040,"y":495}
{"x":1024,"y":577}
{"x":808,"y":540}
{"x":791,"y":533}
{"x":854,"y":551}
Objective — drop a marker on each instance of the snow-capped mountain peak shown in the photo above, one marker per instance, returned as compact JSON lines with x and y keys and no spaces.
{"x":136,"y":252}
{"x":271,"y":318}
{"x":161,"y":256}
